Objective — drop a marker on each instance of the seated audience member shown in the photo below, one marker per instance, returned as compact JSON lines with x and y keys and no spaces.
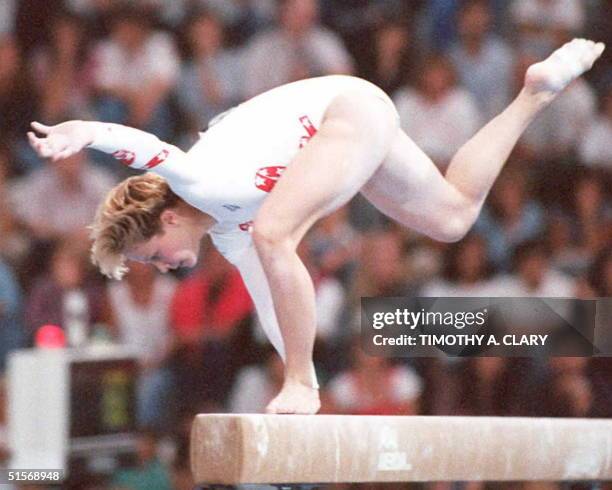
{"x":466,"y":270}
{"x":149,"y":473}
{"x":136,"y":68}
{"x":60,"y":198}
{"x":66,"y":296}
{"x":140,"y":305}
{"x":568,"y":389}
{"x":211,"y":79}
{"x":438,"y":114}
{"x":374,"y":386}
{"x":511,"y":217}
{"x":256,"y":385}
{"x":595,"y":149}
{"x":11,"y":321}
{"x":62,"y":71}
{"x":390,"y":64}
{"x":15,"y":241}
{"x":532,"y":276}
{"x":297,"y":47}
{"x":544,"y":24}
{"x":208,"y":310}
{"x":483,"y":61}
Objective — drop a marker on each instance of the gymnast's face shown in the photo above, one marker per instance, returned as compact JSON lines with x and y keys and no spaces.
{"x":177,"y":245}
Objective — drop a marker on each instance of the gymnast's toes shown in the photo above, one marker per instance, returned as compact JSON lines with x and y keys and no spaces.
{"x":563,"y":66}
{"x":295,"y":399}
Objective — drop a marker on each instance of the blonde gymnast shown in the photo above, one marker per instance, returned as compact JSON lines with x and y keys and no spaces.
{"x":329,"y":138}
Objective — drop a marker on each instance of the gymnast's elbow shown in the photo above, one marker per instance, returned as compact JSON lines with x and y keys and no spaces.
{"x":451,"y":229}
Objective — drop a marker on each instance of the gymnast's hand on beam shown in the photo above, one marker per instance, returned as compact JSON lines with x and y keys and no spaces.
{"x":62,"y":140}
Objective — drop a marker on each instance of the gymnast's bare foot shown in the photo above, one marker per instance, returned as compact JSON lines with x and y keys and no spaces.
{"x":295,"y":398}
{"x":549,"y":77}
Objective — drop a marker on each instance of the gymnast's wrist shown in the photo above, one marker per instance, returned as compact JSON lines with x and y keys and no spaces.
{"x":100,"y":136}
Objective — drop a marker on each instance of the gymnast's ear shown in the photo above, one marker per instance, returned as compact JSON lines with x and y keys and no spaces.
{"x":169,"y":217}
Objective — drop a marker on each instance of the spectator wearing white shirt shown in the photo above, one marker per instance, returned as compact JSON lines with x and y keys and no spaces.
{"x":543,"y":24}
{"x":134,"y":72}
{"x":595,"y":148}
{"x":533,"y":276}
{"x":211,"y":81}
{"x":436,"y":113}
{"x":140,"y":306}
{"x":466,"y":270}
{"x":297,"y":48}
{"x":60,"y":198}
{"x":256,"y":385}
{"x":374,"y":386}
{"x":483,"y":60}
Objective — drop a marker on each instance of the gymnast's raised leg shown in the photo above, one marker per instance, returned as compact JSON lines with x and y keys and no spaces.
{"x":409,"y":188}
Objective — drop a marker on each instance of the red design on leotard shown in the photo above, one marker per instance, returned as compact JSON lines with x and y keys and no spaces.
{"x":310,"y":130}
{"x":266,"y":177}
{"x":126,"y":157}
{"x":246,"y":226}
{"x":157,"y":159}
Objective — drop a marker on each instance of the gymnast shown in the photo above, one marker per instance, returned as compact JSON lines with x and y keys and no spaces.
{"x":330,"y":138}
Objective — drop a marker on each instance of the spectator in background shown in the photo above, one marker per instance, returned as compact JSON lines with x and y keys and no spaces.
{"x":15,"y":242}
{"x":334,"y":245}
{"x":595,"y":149}
{"x":394,"y":52}
{"x":256,"y":385}
{"x":592,"y":213}
{"x":298,"y":47}
{"x":208,"y":309}
{"x":330,"y":297}
{"x":140,"y":305}
{"x":382,"y":271}
{"x":8,"y":9}
{"x":481,"y":387}
{"x":11,"y":321}
{"x":211,"y":80}
{"x":565,"y":254}
{"x":66,"y":296}
{"x":61,"y":71}
{"x":134,"y":71}
{"x":599,"y":284}
{"x":568,"y":389}
{"x":18,"y":101}
{"x":466,"y":270}
{"x":149,"y":474}
{"x":436,"y":113}
{"x":511,"y":218}
{"x":243,"y":18}
{"x":60,"y":198}
{"x":374,"y":386}
{"x":368,"y":28}
{"x":532,"y":276}
{"x":482,"y":60}
{"x":544,"y":24}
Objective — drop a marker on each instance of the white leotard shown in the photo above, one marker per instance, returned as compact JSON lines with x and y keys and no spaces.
{"x":235,"y":164}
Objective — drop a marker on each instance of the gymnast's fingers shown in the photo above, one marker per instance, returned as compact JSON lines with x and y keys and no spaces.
{"x":39,"y":145}
{"x":67,"y":152}
{"x":41,"y":128}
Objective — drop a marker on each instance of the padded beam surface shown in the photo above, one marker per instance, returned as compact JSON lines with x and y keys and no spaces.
{"x":234,"y":449}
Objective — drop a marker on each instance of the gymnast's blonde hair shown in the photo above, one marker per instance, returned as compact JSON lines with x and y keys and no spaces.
{"x":129,"y":215}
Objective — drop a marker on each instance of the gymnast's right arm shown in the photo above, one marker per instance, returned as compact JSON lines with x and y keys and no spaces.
{"x":132,"y":147}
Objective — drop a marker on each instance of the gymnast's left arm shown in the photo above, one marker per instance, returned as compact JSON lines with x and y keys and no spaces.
{"x":132,"y":147}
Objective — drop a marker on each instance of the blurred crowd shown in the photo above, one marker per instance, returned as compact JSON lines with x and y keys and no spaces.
{"x":170,"y":67}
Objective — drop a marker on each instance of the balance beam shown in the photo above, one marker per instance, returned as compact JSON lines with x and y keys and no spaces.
{"x":236,"y":449}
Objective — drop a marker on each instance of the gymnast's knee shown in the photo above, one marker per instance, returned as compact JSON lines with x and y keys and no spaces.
{"x":452,"y":228}
{"x":270,"y":238}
